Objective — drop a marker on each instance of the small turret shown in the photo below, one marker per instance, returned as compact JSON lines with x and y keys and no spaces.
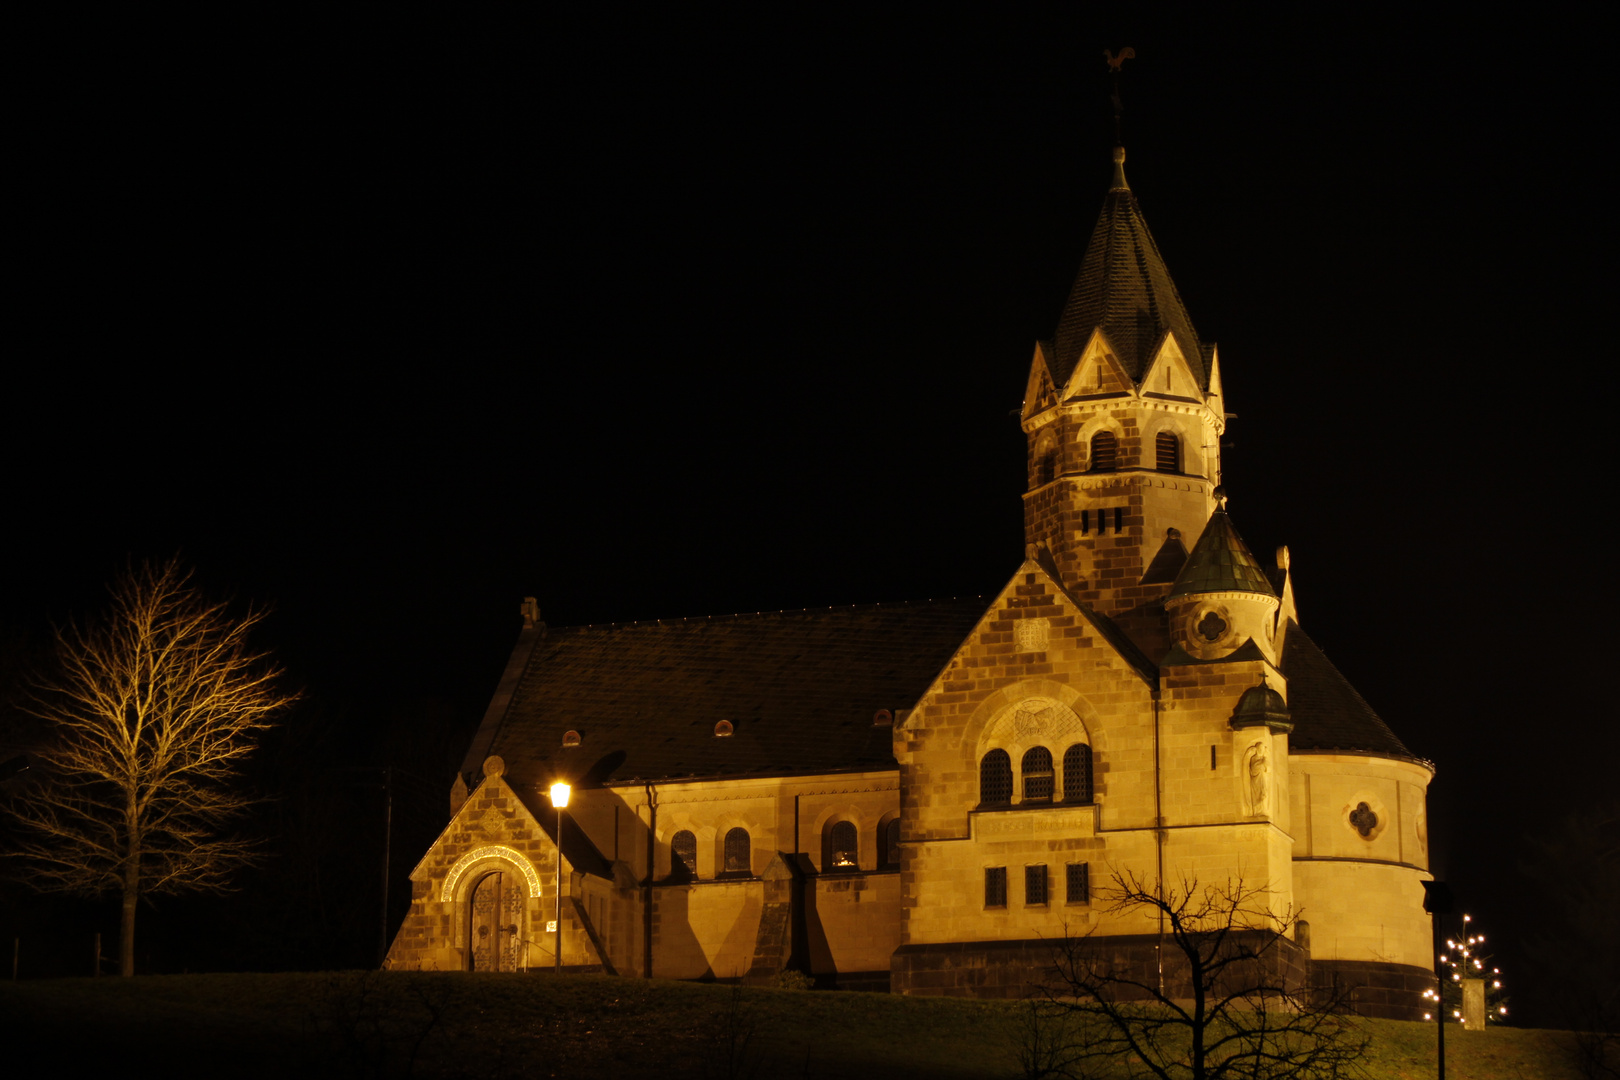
{"x":1221,"y":599}
{"x":1261,"y":706}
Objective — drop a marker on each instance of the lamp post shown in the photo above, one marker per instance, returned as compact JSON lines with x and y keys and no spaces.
{"x":559,"y":799}
{"x":1437,"y":902}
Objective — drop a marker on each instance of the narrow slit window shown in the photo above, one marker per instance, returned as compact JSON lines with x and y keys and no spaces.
{"x":1085,"y":522}
{"x":1211,"y":757}
{"x":995,"y":886}
{"x":1119,"y":519}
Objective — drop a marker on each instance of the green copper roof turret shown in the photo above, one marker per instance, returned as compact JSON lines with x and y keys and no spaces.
{"x":1261,"y":705}
{"x":1220,"y":562}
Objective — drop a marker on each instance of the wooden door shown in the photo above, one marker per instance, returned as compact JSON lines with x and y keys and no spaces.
{"x":497,"y":912}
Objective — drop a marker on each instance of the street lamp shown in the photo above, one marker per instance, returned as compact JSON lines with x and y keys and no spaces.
{"x":1438,"y":902}
{"x":559,"y":800}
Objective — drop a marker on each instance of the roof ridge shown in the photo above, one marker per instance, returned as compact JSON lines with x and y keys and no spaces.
{"x":755,"y":614}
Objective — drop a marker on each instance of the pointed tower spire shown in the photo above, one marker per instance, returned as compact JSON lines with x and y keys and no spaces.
{"x":1125,"y":290}
{"x":1123,"y":417}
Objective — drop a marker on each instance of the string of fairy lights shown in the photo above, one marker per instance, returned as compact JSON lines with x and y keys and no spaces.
{"x":1465,"y":958}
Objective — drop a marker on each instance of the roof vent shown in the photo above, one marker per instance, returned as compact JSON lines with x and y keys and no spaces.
{"x":570,"y":738}
{"x":883,"y":718}
{"x":723,"y":729}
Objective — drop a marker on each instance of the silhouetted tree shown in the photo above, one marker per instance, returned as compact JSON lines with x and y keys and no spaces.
{"x":1228,"y":1004}
{"x":146,"y":718}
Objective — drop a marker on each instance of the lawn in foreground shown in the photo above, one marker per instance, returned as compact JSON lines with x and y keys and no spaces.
{"x":442,"y":1024}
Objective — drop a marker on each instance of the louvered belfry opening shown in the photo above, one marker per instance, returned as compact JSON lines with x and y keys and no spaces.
{"x":995,"y":779}
{"x":1168,"y":449}
{"x":1104,"y":452}
{"x":1045,"y":466}
{"x":1037,"y":770}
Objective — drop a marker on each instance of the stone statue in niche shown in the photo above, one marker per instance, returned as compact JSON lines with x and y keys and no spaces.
{"x":1259,"y":778}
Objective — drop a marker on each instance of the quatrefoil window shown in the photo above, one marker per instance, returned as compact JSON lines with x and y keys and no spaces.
{"x":1211,"y":627}
{"x":1364,"y":820}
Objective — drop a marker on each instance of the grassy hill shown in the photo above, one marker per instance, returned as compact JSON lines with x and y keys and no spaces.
{"x":437,"y":1024}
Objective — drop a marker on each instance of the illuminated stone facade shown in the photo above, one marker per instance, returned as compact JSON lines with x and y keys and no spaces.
{"x":917,"y":797}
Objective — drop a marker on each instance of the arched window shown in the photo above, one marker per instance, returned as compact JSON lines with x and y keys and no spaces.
{"x":889,"y":846}
{"x":1037,"y":770}
{"x":1104,"y":452}
{"x":840,"y":850}
{"x":1077,"y":774}
{"x":739,"y":852}
{"x":995,"y":779}
{"x":1168,"y":450}
{"x":683,"y":855}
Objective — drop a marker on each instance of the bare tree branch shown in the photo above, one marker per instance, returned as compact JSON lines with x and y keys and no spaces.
{"x":151,"y":712}
{"x":1230,"y":1003}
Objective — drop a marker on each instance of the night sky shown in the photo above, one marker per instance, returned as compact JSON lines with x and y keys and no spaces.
{"x":388,"y":325}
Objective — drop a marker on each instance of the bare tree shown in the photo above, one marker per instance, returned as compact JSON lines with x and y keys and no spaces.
{"x":146,"y":720}
{"x":1229,"y":1001}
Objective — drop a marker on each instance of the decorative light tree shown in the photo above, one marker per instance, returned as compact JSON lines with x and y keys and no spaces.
{"x":1465,"y":958}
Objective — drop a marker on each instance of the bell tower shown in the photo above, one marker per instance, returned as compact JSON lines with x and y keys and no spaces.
{"x":1123,"y":416}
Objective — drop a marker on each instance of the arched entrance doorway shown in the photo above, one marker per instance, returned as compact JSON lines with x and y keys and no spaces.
{"x":496,"y":931}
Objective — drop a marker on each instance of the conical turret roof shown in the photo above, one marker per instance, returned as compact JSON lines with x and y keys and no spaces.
{"x":1125,"y":290}
{"x":1221,"y":562}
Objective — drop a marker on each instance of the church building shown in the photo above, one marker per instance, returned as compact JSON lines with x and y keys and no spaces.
{"x":921,"y":797}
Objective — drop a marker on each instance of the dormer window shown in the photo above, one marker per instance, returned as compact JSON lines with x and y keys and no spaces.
{"x":723,"y":729}
{"x":570,"y":738}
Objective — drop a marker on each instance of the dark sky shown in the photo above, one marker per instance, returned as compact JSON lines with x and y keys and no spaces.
{"x":390,"y":324}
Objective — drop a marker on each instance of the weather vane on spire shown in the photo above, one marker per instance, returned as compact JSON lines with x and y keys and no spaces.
{"x":1114,"y":64}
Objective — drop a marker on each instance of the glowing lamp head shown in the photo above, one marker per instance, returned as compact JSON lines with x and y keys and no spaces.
{"x":559,"y":795}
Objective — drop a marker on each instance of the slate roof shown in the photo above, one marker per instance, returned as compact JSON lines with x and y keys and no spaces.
{"x":800,"y":688}
{"x":1125,"y":289}
{"x":1328,"y":713}
{"x":1221,"y":562}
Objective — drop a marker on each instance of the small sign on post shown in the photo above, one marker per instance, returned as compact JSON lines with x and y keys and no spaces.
{"x":551,"y":926}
